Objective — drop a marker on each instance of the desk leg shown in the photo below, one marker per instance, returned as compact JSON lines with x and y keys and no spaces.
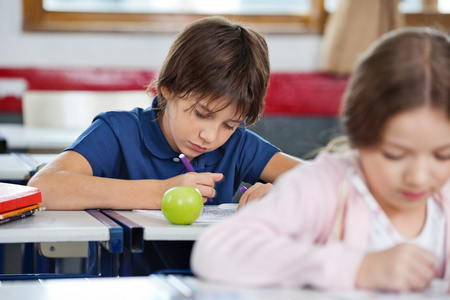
{"x":92,"y":266}
{"x":126,"y":263}
{"x":109,"y":265}
{"x":33,"y":262}
{"x":2,"y":259}
{"x":101,"y":261}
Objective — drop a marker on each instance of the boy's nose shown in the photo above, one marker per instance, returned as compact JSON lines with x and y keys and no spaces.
{"x":208,"y":134}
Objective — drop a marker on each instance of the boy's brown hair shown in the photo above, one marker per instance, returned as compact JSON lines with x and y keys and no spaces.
{"x":405,"y":69}
{"x":214,"y":58}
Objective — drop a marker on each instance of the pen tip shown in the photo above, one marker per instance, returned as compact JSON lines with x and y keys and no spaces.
{"x":181,"y":155}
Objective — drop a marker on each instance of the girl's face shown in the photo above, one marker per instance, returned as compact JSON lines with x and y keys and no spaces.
{"x":411,"y":162}
{"x":196,"y":131}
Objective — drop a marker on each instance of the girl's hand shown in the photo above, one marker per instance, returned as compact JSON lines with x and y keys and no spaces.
{"x":204,"y":182}
{"x":254,"y":192}
{"x":402,"y":268}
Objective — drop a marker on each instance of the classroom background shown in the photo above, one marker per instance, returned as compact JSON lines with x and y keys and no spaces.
{"x":58,"y":69}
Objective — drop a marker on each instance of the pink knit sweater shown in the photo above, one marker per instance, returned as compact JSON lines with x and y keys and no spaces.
{"x":285,"y":239}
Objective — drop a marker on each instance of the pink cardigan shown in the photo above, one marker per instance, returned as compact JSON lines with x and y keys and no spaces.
{"x":285,"y":239}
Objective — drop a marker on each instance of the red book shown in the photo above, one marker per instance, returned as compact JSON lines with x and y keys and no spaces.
{"x":14,"y":196}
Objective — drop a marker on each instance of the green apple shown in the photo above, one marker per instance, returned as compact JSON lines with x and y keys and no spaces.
{"x":182,"y":205}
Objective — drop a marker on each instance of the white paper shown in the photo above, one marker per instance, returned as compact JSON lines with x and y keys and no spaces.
{"x":210,"y":213}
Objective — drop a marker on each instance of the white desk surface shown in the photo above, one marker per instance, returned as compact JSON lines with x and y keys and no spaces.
{"x":172,"y":287}
{"x":139,"y":288}
{"x":13,"y":168}
{"x":54,"y":226}
{"x":17,"y":166}
{"x":19,"y":136}
{"x":156,"y":229}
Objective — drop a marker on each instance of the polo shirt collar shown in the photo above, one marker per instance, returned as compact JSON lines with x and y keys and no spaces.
{"x":157,"y":144}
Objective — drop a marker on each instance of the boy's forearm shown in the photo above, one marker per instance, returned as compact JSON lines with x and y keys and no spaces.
{"x":279,"y":164}
{"x":73,"y":191}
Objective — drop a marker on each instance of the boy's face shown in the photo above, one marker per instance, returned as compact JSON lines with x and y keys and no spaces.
{"x":196,"y":131}
{"x":411,"y":162}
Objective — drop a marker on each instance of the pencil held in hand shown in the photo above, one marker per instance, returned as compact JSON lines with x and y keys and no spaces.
{"x":188,"y":166}
{"x":186,"y":163}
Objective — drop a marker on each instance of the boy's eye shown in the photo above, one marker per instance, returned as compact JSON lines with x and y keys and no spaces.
{"x":393,"y":156}
{"x":201,"y":116}
{"x":229,"y":127}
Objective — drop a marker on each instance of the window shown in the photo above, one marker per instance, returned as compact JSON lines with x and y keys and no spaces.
{"x":435,"y":13}
{"x":169,"y":15}
{"x":269,"y":16}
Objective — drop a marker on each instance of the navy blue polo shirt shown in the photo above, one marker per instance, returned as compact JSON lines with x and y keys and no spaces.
{"x":131,"y":145}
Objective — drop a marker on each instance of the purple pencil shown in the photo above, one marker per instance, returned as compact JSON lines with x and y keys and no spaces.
{"x":188,"y":166}
{"x":186,"y":163}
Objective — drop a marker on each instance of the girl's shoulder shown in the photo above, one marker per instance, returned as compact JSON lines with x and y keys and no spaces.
{"x":327,"y":170}
{"x":339,"y":162}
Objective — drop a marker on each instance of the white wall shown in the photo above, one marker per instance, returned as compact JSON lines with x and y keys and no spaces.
{"x":294,"y":53}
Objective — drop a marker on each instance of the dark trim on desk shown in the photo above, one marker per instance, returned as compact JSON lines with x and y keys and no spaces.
{"x":116,"y":232}
{"x":133,"y":232}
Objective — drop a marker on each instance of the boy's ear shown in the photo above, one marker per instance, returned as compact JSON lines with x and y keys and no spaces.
{"x":167,"y":94}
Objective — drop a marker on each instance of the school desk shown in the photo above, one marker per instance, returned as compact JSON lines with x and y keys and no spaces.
{"x":13,"y":168}
{"x":18,"y":167}
{"x":22,"y":138}
{"x":155,"y":227}
{"x":68,"y":226}
{"x":148,"y":288}
{"x":150,"y":225}
{"x":157,"y":287}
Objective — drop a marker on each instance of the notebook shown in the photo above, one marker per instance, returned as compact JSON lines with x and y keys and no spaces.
{"x":19,"y":213}
{"x":16,"y":196}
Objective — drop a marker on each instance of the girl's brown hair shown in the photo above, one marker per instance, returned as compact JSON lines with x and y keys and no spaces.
{"x":405,"y":69}
{"x":214,"y":58}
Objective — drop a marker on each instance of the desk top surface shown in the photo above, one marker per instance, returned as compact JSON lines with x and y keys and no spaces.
{"x":160,"y":229}
{"x":54,"y":226}
{"x":13,"y":168}
{"x":136,"y":288}
{"x":19,"y":136}
{"x":17,"y":166}
{"x":174,"y":287}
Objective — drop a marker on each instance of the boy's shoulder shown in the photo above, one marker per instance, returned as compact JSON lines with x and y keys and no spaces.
{"x":122,"y":116}
{"x":135,"y":112}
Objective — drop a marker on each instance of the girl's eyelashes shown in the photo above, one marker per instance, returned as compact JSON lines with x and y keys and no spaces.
{"x":440,"y":156}
{"x":392,"y":156}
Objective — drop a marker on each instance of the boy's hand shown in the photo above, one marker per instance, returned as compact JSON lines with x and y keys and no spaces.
{"x":402,"y":268}
{"x":204,"y":182}
{"x":256,"y":191}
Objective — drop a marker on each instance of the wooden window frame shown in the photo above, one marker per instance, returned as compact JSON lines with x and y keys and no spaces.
{"x":437,"y":20}
{"x":35,"y":18}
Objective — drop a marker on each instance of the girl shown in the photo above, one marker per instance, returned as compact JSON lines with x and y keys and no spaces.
{"x":375,"y":216}
{"x":211,"y":85}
